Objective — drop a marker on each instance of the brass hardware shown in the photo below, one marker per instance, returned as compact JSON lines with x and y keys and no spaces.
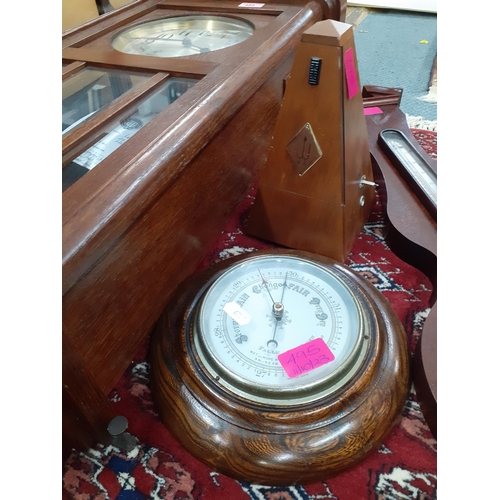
{"x":304,"y":150}
{"x":364,"y":182}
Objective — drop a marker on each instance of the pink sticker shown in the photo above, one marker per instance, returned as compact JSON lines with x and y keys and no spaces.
{"x":305,"y":357}
{"x":252,"y":5}
{"x":350,"y":73}
{"x":373,"y":111}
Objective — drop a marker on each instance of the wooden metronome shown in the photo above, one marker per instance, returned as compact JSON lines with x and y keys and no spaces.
{"x":316,"y":188}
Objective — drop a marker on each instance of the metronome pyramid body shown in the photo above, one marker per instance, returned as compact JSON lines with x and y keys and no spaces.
{"x":316,"y":189}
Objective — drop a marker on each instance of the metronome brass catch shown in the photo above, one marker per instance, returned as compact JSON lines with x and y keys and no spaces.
{"x":304,"y":150}
{"x":364,"y":182}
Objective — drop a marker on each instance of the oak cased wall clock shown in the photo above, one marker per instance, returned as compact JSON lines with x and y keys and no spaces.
{"x":168,"y":108}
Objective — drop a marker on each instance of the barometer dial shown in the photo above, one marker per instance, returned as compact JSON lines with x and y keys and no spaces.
{"x":280,"y":329}
{"x":182,"y":36}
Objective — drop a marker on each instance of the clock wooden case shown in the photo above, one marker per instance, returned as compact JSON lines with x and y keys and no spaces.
{"x":140,"y":220}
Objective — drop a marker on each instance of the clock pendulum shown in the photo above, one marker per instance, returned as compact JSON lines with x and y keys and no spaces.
{"x":281,"y":367}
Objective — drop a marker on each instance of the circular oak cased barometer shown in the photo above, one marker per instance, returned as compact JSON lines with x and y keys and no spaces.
{"x":281,"y":367}
{"x":182,"y":36}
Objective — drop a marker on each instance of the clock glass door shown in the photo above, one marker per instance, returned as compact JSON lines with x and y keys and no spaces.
{"x":111,"y":135}
{"x":93,"y":89}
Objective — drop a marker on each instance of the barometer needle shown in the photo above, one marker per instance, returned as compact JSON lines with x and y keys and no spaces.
{"x":278,"y":311}
{"x":284,"y":286}
{"x":272,"y":343}
{"x":265,"y":284}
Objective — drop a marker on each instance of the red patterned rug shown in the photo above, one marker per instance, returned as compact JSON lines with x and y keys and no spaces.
{"x":403,"y":467}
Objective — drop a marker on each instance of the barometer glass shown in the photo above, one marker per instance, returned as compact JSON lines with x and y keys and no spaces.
{"x":182,"y":36}
{"x":412,"y":166}
{"x":280,"y":329}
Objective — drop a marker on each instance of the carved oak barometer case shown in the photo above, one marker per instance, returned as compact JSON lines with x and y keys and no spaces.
{"x":168,"y":108}
{"x":281,"y":367}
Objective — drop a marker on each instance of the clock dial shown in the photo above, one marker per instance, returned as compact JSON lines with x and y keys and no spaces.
{"x":259,"y":324}
{"x":182,"y":36}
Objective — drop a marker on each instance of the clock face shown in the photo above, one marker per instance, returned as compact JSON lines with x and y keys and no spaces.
{"x":182,"y":36}
{"x":280,"y":330}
